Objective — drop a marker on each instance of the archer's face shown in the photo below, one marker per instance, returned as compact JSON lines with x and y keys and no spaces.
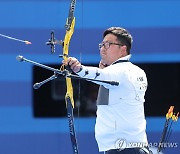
{"x":111,"y":52}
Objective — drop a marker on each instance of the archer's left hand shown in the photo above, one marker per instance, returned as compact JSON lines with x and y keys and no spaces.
{"x":73,"y":63}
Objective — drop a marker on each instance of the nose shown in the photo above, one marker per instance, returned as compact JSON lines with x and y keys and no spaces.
{"x":102,"y":50}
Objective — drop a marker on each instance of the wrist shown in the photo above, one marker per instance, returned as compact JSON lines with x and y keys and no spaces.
{"x":80,"y":69}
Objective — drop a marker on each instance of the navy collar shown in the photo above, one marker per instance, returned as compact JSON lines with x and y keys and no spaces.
{"x":120,"y":61}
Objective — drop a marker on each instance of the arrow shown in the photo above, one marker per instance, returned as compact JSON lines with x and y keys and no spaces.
{"x":12,"y":38}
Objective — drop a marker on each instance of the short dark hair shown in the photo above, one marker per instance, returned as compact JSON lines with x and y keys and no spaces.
{"x":122,"y":34}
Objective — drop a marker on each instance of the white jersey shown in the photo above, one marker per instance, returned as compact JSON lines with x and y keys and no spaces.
{"x":120,"y":109}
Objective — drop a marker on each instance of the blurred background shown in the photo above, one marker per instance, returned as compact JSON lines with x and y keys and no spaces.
{"x":35,"y":121}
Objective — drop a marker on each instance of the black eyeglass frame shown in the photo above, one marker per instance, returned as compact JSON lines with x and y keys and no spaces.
{"x":107,"y":44}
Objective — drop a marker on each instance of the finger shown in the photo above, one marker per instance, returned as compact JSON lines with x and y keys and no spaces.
{"x":66,"y":62}
{"x":72,"y":61}
{"x":102,"y":64}
{"x":76,"y":63}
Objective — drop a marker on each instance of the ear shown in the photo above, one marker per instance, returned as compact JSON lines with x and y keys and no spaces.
{"x":124,"y":50}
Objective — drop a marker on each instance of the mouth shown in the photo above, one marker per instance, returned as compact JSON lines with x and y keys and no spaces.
{"x":103,"y":56}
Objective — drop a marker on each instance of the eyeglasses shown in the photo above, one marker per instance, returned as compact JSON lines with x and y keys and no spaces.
{"x":107,"y":44}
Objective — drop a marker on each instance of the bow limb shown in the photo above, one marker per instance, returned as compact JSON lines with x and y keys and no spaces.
{"x":69,"y":33}
{"x":67,"y":39}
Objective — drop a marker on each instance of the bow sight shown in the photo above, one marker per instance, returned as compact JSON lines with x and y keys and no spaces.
{"x":52,"y":42}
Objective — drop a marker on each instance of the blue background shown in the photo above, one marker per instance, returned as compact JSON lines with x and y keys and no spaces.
{"x":155,"y":27}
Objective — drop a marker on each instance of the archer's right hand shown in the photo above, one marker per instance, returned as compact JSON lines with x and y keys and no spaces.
{"x":102,"y":65}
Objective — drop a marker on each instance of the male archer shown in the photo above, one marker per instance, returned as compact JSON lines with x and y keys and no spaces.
{"x":120,"y":123}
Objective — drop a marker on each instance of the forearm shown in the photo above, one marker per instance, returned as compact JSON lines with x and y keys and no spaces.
{"x":98,"y":74}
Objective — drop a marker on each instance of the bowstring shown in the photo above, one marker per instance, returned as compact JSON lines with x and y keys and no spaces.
{"x":80,"y":59}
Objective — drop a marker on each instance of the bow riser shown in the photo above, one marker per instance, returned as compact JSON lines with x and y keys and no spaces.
{"x":67,"y":39}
